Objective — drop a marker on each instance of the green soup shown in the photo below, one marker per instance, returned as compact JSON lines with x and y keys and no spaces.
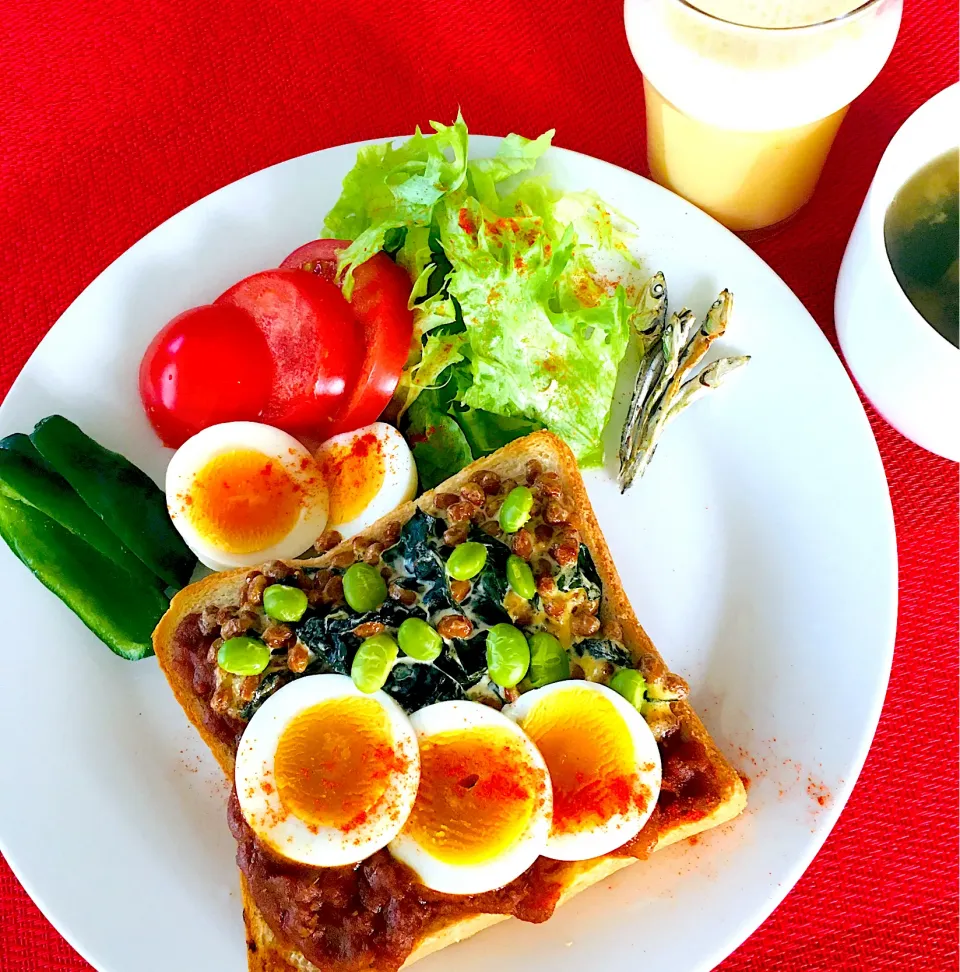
{"x":922,"y":235}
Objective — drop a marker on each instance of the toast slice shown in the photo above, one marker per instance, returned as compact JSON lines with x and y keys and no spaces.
{"x":701,"y":789}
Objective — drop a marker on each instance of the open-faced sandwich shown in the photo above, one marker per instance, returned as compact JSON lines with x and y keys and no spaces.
{"x":451,"y":719}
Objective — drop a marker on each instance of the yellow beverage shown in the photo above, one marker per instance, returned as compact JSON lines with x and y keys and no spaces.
{"x":744,"y":97}
{"x":752,"y":179}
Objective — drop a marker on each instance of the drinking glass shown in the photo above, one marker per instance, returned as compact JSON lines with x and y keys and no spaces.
{"x":744,"y":97}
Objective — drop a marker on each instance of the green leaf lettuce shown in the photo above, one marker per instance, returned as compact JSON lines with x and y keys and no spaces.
{"x":519,"y":322}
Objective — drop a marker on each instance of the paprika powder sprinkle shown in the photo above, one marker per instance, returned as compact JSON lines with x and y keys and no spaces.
{"x":242,"y":501}
{"x":466,"y":222}
{"x":326,"y":765}
{"x":354,"y":474}
{"x":597,"y":800}
{"x":590,"y":754}
{"x":482,"y":775}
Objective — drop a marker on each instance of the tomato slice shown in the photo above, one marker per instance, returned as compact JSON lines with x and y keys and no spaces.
{"x":316,"y":344}
{"x":379,"y":302}
{"x":317,"y":256}
{"x":209,"y":365}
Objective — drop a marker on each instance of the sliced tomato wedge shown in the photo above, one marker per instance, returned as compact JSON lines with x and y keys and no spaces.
{"x":209,"y":365}
{"x":381,"y":291}
{"x":315,"y":341}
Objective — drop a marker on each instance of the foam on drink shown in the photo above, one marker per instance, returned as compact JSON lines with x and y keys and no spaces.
{"x":761,"y":13}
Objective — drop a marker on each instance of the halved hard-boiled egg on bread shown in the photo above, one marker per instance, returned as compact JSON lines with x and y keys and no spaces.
{"x":326,"y":775}
{"x":603,"y":760}
{"x":483,"y":809}
{"x":241,"y":493}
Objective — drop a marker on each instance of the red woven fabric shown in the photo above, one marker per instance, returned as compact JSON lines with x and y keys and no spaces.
{"x":116,"y":115}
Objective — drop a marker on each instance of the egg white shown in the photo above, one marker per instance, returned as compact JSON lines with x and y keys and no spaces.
{"x":287,"y":834}
{"x":608,"y":835}
{"x":199,"y":450}
{"x":442,"y":717}
{"x":399,"y":475}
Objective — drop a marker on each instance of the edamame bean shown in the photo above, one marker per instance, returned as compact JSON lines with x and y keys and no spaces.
{"x":284,"y":603}
{"x":243,"y":656}
{"x":467,"y":560}
{"x":548,"y":660}
{"x":516,"y":509}
{"x":419,"y":640}
{"x":372,"y":662}
{"x":631,"y":685}
{"x":520,"y":577}
{"x":508,"y":655}
{"x":363,"y":587}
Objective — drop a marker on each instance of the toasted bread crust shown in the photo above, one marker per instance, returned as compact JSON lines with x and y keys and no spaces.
{"x":266,"y":952}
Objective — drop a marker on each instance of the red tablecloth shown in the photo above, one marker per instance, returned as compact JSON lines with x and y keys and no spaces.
{"x":115,"y":115}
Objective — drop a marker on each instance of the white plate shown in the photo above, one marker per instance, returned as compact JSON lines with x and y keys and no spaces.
{"x":759,"y":553}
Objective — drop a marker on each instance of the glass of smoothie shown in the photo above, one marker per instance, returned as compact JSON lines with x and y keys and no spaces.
{"x":744,"y":97}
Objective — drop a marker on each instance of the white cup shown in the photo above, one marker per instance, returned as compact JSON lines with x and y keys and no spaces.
{"x":908,"y":370}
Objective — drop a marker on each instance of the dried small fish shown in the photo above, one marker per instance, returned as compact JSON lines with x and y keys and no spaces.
{"x":714,"y":324}
{"x":648,"y":323}
{"x":651,"y":309}
{"x":711,"y":377}
{"x":670,"y":348}
{"x":665,"y":360}
{"x":664,"y":386}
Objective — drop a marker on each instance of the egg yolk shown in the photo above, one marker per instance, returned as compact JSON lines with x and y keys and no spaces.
{"x":243,"y":501}
{"x":590,"y":755}
{"x":334,"y":762}
{"x":477,"y":794}
{"x":354,"y":474}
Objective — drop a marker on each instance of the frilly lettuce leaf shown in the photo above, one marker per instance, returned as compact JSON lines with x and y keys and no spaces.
{"x":545,"y":336}
{"x":516,"y":324}
{"x":516,"y":154}
{"x":394,"y":187}
{"x":439,"y":352}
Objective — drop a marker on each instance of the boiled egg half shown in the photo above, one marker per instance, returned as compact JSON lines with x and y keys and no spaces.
{"x":241,"y":493}
{"x":603,"y":760}
{"x":325,"y":774}
{"x":368,"y":473}
{"x":483,"y":809}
